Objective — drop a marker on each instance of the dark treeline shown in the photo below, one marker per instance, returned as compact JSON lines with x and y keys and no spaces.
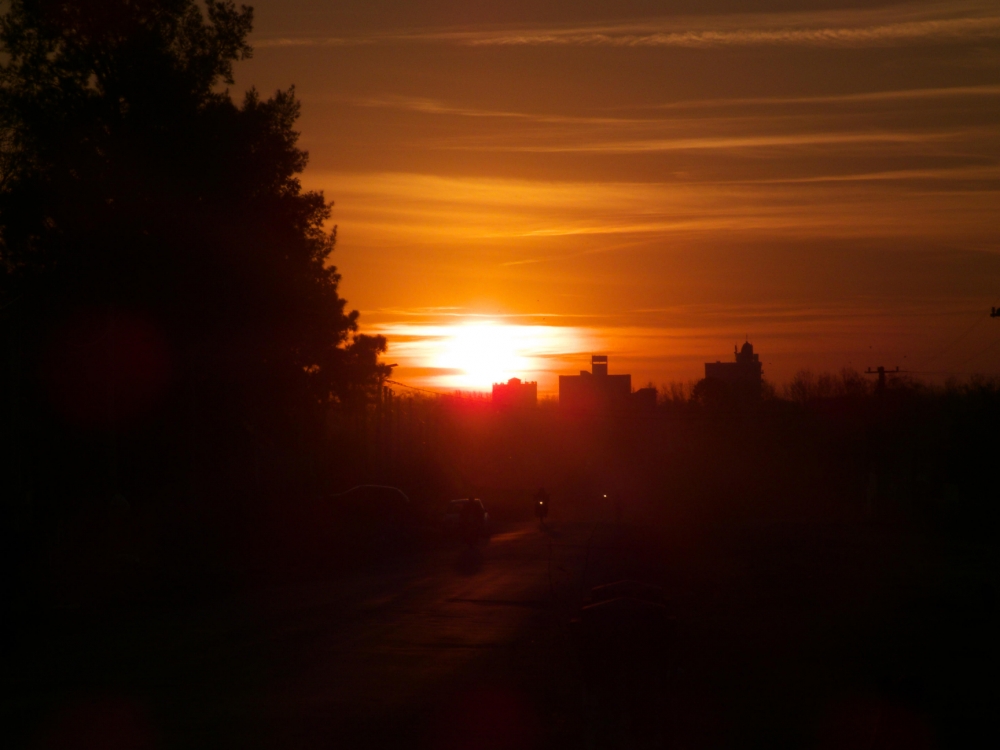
{"x":829,"y":451}
{"x":171,"y":321}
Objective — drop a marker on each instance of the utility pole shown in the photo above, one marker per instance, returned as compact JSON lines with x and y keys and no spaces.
{"x":881,"y":372}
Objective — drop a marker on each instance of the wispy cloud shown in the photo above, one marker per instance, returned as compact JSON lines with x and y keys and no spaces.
{"x":431,"y":106}
{"x":400,"y":316}
{"x":990,"y":173}
{"x":523,"y":222}
{"x":726,"y":142}
{"x":904,"y":24}
{"x":794,"y":312}
{"x":648,"y":35}
{"x":852,"y":98}
{"x":437,"y":107}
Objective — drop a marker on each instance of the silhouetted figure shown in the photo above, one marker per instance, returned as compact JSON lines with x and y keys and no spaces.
{"x":541,"y":504}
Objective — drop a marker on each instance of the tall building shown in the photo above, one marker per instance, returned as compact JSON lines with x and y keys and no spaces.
{"x":746,"y":372}
{"x":596,"y":389}
{"x":515,"y":393}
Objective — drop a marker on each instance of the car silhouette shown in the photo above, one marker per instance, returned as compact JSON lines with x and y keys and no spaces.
{"x":458,"y":513}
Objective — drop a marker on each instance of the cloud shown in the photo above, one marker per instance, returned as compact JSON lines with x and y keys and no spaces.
{"x":430,"y":106}
{"x":437,"y":107}
{"x":861,"y":97}
{"x":897,"y":25}
{"x":939,"y":30}
{"x":989,"y":173}
{"x":730,"y":142}
{"x":437,"y":212}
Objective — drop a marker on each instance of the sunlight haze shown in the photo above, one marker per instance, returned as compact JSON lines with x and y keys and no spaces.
{"x":657,"y":181}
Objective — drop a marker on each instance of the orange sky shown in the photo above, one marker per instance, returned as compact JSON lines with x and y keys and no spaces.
{"x":654,"y":180}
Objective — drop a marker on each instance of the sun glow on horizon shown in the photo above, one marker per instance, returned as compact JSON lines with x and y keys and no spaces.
{"x":474,"y":355}
{"x":484,"y":353}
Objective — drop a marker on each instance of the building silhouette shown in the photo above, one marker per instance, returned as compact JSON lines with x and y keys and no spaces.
{"x":596,"y":389}
{"x":746,"y":374}
{"x":514,"y":394}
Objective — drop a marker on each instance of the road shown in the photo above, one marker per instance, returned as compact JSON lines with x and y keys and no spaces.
{"x":787,"y":635}
{"x":441,"y":649}
{"x":423,"y":649}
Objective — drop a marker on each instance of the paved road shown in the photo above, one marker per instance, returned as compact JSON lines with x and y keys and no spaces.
{"x":441,"y":649}
{"x":782,"y":634}
{"x":421,"y":646}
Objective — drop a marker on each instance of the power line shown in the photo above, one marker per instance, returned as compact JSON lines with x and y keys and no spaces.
{"x":980,"y":353}
{"x":958,"y":339}
{"x":414,"y":388}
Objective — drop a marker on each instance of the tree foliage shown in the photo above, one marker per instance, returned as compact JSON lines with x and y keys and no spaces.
{"x":132,"y":182}
{"x":168,"y":308}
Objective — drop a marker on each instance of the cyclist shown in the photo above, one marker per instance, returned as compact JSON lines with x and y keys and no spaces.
{"x":541,"y":504}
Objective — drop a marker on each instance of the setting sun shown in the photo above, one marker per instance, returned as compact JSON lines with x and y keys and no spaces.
{"x":474,"y":355}
{"x":483,"y":353}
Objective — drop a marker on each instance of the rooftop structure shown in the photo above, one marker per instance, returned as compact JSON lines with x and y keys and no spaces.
{"x":595,"y":389}
{"x":746,"y":372}
{"x":515,"y":393}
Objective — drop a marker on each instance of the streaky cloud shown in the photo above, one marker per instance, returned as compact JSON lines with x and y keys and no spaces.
{"x":979,"y":173}
{"x":952,"y":29}
{"x":898,"y":25}
{"x":859,"y":97}
{"x":437,"y":107}
{"x":725,"y":142}
{"x":553,"y":222}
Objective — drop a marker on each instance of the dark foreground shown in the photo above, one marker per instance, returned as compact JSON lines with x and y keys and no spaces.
{"x":781,"y":635}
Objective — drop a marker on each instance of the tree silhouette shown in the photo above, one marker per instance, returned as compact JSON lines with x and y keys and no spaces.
{"x":129,"y":180}
{"x":159,"y":259}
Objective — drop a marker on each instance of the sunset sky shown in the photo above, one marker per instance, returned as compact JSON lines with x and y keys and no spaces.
{"x":519,"y":184}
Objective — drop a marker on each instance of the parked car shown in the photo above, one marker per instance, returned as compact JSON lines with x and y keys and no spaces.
{"x":467,"y":517}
